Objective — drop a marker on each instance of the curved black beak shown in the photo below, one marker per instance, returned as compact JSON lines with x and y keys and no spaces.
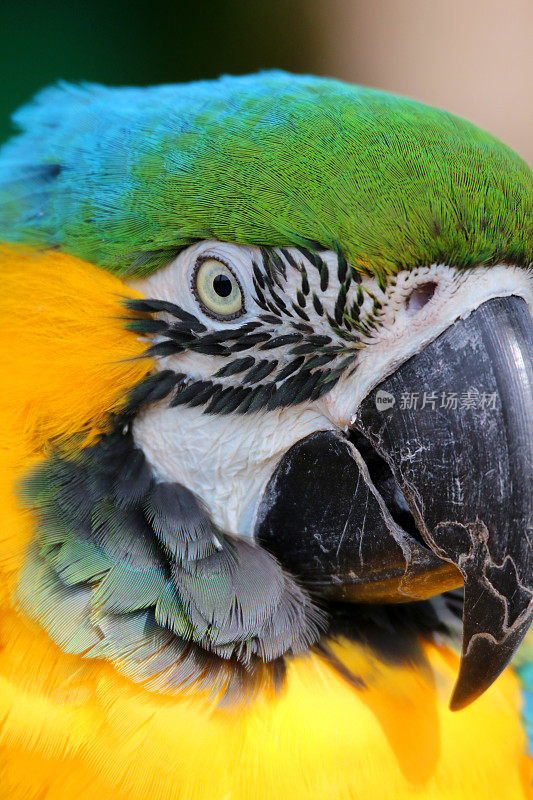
{"x":459,"y":441}
{"x":454,"y":427}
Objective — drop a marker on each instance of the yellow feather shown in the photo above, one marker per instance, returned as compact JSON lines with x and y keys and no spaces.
{"x":71,"y":727}
{"x":63,"y":347}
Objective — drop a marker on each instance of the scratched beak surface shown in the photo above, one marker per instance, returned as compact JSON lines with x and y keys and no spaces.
{"x":457,"y":440}
{"x":325,"y":520}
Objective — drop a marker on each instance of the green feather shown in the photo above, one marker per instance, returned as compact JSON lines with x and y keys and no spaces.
{"x":124,"y":589}
{"x":127,"y":177}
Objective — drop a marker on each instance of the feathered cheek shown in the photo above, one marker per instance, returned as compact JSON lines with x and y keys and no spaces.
{"x":64,"y":345}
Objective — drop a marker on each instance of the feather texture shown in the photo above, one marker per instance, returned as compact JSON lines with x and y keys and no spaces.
{"x":63,"y":715}
{"x":123,"y":566}
{"x":129,"y":595}
{"x":127,"y":177}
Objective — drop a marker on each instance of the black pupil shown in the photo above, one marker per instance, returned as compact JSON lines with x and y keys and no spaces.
{"x":222,"y":285}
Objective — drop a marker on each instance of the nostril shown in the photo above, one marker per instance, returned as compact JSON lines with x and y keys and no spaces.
{"x":420,"y":296}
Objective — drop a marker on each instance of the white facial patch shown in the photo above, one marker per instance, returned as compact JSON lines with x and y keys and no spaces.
{"x":417,"y":306}
{"x":227,"y":459}
{"x":224,"y":460}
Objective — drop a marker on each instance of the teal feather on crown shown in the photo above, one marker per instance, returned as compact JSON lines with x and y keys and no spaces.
{"x":126,"y":177}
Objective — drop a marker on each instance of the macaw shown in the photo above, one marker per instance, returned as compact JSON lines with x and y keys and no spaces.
{"x":266,"y":440}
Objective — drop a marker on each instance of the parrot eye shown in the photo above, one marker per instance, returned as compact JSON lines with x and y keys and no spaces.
{"x":217,"y":289}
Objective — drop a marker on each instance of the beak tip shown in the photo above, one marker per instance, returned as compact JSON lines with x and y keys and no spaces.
{"x":467,"y":477}
{"x":462,"y":697}
{"x":456,"y":705}
{"x":466,"y":690}
{"x":482,"y":661}
{"x":470,"y":685}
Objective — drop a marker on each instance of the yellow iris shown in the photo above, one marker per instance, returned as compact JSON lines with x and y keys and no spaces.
{"x":218,"y":289}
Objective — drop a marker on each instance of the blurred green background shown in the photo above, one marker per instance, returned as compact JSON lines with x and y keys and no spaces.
{"x":473,"y":57}
{"x":118,"y":42}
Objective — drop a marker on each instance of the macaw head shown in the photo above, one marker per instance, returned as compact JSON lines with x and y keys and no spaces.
{"x":327,"y":294}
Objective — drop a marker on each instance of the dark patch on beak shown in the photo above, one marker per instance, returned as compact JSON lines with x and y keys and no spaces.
{"x":467,"y":472}
{"x":457,"y":440}
{"x":324,"y":519}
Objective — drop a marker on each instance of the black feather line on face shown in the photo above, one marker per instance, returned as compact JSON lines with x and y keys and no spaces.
{"x":149,"y":325}
{"x":260,"y":371}
{"x":301,"y":313}
{"x":279,"y":266}
{"x":260,"y":297}
{"x":181,"y":331}
{"x":319,"y":308}
{"x":211,"y":391}
{"x":234,"y":367}
{"x":281,"y":341}
{"x":300,"y":297}
{"x":236,"y":399}
{"x":324,"y":277}
{"x":190,"y":391}
{"x":219,"y":399}
{"x":270,"y":319}
{"x":163,"y":349}
{"x":311,"y":256}
{"x":302,"y":327}
{"x":211,"y":349}
{"x":270,"y":268}
{"x":303,"y":349}
{"x":153,"y":388}
{"x":262,"y":395}
{"x":319,"y":361}
{"x":328,"y":381}
{"x":340,"y":305}
{"x":151,"y":306}
{"x":342,"y":268}
{"x":249,"y":340}
{"x":305,"y":283}
{"x":354,"y":312}
{"x":279,"y":302}
{"x":258,"y":275}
